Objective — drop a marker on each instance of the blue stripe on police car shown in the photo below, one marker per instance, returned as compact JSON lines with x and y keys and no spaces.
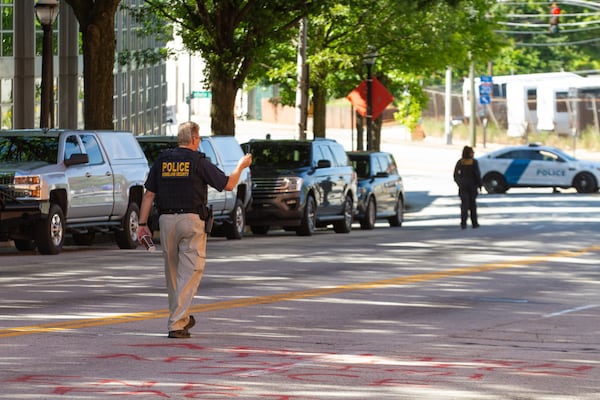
{"x":515,"y":171}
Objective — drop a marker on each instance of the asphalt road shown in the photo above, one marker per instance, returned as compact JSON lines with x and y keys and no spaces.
{"x":425,"y":311}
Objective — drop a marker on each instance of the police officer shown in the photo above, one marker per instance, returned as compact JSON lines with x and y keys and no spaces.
{"x":468,"y":178}
{"x":177,"y":182}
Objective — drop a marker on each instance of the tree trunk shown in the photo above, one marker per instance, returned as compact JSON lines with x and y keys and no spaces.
{"x":377,"y":124}
{"x":222,"y":118}
{"x":319,"y":111}
{"x":97,"y":25}
{"x":98,"y":64}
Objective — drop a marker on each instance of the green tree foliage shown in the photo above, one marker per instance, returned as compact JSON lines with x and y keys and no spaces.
{"x":533,"y":48}
{"x":231,"y":36}
{"x":414,"y":39}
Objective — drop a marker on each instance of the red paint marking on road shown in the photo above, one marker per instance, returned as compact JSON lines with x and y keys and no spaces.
{"x":40,"y":378}
{"x":285,"y":365}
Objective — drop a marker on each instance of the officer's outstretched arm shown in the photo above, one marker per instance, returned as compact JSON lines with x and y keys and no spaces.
{"x":234,"y":177}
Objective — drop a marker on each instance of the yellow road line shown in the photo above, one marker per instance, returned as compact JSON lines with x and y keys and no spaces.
{"x":251,"y":301}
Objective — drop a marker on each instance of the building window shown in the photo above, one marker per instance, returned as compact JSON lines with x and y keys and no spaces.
{"x":6,"y":28}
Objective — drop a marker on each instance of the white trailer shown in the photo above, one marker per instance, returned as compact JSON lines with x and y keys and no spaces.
{"x":521,"y":93}
{"x":557,"y":103}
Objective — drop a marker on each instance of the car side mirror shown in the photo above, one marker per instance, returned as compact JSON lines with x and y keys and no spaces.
{"x":77,"y":159}
{"x":323,"y":164}
{"x":382,"y":174}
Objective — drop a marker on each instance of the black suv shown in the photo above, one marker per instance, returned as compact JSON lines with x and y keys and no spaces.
{"x":300,"y":185}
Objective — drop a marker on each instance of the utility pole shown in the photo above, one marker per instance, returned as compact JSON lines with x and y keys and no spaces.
{"x":472,"y":99}
{"x":448,"y":107}
{"x":301,"y":88}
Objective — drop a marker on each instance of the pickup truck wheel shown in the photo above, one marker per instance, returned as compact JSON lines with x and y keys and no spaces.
{"x":398,"y":218}
{"x":50,"y":231}
{"x":24,"y":244}
{"x":238,"y":219}
{"x":345,"y":225}
{"x":126,"y":237}
{"x":307,"y":227}
{"x":368,"y":222}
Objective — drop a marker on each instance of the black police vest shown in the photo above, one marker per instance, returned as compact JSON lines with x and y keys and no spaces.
{"x":180,"y":185}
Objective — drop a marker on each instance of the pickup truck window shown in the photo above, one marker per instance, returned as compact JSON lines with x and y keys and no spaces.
{"x":208,"y":150}
{"x":25,"y":149}
{"x":231,"y":151}
{"x":71,"y":147}
{"x":121,"y":147}
{"x":92,"y":149}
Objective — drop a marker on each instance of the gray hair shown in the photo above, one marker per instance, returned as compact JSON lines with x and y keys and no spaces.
{"x":186,"y":133}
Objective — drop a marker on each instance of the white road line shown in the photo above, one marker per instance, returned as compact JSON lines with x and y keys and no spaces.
{"x":570,"y":310}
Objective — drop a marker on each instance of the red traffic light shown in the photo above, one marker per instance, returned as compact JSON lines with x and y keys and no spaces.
{"x":555,"y":11}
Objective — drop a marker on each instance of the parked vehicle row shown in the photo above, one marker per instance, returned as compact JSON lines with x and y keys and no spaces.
{"x":301,"y":185}
{"x":58,"y":182}
{"x":298,"y":185}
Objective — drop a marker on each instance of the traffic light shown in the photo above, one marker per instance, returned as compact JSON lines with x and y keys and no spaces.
{"x":554,"y":19}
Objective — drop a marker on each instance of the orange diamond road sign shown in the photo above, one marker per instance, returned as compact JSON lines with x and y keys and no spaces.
{"x":381,"y":98}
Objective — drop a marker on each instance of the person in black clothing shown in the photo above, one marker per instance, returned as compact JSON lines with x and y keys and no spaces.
{"x":468,"y":179}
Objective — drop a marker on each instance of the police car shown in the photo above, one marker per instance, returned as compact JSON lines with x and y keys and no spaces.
{"x":537,"y":166}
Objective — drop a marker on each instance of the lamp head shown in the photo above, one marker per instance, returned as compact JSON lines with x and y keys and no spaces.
{"x":371,"y":56}
{"x":46,"y":11}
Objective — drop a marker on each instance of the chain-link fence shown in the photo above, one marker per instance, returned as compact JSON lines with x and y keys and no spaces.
{"x":567,"y":113}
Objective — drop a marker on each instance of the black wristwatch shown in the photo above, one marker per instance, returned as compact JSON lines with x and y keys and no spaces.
{"x":142,"y":224}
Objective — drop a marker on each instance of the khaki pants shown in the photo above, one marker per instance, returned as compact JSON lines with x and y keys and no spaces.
{"x":183,"y":242}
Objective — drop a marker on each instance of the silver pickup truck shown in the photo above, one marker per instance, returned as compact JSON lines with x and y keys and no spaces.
{"x":229,"y":208}
{"x":58,"y":181}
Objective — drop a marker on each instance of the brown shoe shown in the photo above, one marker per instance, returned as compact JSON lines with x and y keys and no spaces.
{"x":180,"y":334}
{"x":190,"y":324}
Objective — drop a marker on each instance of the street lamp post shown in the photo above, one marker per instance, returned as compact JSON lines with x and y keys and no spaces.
{"x":369,"y":60}
{"x":46,"y":12}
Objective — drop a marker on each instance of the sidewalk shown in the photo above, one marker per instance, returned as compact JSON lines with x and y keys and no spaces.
{"x":391,"y":134}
